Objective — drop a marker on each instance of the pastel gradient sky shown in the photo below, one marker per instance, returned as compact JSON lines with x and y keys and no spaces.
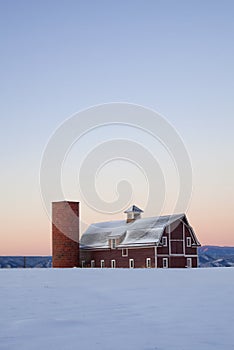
{"x":59,"y":57}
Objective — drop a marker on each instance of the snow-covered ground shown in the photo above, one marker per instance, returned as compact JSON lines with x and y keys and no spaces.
{"x":164,"y":309}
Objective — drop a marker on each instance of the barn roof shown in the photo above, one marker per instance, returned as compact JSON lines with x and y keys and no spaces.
{"x":146,"y":231}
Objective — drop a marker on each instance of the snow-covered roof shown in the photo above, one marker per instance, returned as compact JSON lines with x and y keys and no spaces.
{"x":146,"y":231}
{"x":133,"y":209}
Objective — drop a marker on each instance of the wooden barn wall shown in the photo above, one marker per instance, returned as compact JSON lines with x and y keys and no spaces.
{"x":138,"y":254}
{"x":189,"y":250}
{"x":176,"y":230}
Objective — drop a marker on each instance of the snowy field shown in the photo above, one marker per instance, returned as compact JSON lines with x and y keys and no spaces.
{"x":120,"y":309}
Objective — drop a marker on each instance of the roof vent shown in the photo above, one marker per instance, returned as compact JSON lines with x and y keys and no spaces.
{"x":133,"y":213}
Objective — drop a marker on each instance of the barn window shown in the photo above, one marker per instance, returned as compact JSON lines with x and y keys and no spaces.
{"x":131,"y":263}
{"x":189,"y":242}
{"x":189,"y":262}
{"x":148,"y":262}
{"x":113,"y":243}
{"x":124,"y":252}
{"x":113,"y":264}
{"x":83,"y":263}
{"x":165,"y":262}
{"x":92,"y":263}
{"x":164,"y":241}
{"x":102,"y":263}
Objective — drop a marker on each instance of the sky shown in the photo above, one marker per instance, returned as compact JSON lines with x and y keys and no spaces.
{"x":62,"y":57}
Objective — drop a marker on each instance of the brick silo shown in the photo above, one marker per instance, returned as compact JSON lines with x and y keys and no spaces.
{"x":65,"y":234}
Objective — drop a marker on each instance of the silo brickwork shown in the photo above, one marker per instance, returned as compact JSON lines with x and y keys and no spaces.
{"x":65,"y":234}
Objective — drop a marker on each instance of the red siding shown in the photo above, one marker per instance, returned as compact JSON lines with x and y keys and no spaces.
{"x":178,"y":261}
{"x":176,"y":230}
{"x":189,"y":250}
{"x":164,"y":250}
{"x":177,"y":247}
{"x":138,"y":254}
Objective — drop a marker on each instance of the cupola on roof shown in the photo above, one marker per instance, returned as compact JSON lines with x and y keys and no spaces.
{"x":133,"y":209}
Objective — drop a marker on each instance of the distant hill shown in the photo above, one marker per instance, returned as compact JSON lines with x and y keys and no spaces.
{"x":209,"y":256}
{"x":28,"y":261}
{"x":216,"y":256}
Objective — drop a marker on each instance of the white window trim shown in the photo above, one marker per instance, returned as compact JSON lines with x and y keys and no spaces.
{"x":184,"y":248}
{"x":126,"y":249}
{"x":155,"y":257}
{"x":113,"y":264}
{"x":188,"y":242}
{"x":190,"y":264}
{"x":102,"y":263}
{"x":83,"y":263}
{"x":113,"y":243}
{"x":148,"y":263}
{"x":164,"y":241}
{"x":165,"y":260}
{"x":131,"y":262}
{"x":92,"y":263}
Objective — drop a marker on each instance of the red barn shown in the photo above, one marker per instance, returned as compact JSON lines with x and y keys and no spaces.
{"x":157,"y":242}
